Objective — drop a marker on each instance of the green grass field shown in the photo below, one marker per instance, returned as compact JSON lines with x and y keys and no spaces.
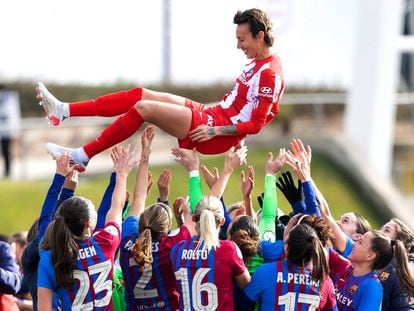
{"x":20,"y":202}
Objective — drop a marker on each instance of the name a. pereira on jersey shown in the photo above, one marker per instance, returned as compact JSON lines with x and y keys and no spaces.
{"x":86,"y":252}
{"x":194,"y":254}
{"x":297,"y":278}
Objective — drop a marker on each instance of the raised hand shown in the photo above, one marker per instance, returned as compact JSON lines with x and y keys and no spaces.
{"x":146,"y":141}
{"x":63,"y":164}
{"x":209,"y":178}
{"x":234,"y":158}
{"x":124,"y":159}
{"x":287,"y":186}
{"x":163,"y":184}
{"x":273,"y":166}
{"x":187,"y":158}
{"x":299,"y":159}
{"x":247,"y":184}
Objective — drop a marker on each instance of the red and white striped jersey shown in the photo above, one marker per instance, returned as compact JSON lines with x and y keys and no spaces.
{"x":254,"y":100}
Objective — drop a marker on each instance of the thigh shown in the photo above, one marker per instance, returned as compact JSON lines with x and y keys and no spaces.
{"x":172,"y":119}
{"x":163,"y":97}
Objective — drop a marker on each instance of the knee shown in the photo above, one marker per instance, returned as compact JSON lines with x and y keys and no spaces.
{"x":144,"y":107}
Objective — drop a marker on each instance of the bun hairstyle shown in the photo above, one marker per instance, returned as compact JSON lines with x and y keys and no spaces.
{"x":245,"y":234}
{"x":208,"y":214}
{"x":154,"y":222}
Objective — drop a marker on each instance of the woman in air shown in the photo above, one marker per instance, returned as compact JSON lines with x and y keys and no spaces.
{"x":252,"y":103}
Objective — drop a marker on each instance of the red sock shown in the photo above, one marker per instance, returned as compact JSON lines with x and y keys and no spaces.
{"x":109,"y":105}
{"x":122,"y":128}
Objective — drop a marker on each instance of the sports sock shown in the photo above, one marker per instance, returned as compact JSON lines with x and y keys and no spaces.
{"x":122,"y":128}
{"x":109,"y":105}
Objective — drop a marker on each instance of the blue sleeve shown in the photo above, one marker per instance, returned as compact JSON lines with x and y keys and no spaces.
{"x":65,"y":194}
{"x":348,"y":247}
{"x":227,"y":221}
{"x":10,"y":277}
{"x":50,"y":204}
{"x":299,"y":207}
{"x":46,"y":272}
{"x":254,"y":289}
{"x":311,"y":203}
{"x":371,"y":295}
{"x":129,"y":227}
{"x":271,"y":251}
{"x":106,"y":202}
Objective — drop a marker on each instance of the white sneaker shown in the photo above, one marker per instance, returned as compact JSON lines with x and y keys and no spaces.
{"x":56,"y":150}
{"x":52,"y":106}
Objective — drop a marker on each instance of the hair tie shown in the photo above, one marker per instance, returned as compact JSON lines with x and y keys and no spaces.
{"x":148,"y":228}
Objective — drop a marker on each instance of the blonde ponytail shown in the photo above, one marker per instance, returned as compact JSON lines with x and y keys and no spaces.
{"x":208,"y":215}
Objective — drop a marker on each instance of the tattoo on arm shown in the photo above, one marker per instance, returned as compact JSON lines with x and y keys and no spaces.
{"x":211,"y":131}
{"x":227,"y":130}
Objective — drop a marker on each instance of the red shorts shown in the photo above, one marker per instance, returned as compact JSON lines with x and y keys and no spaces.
{"x":213,"y":116}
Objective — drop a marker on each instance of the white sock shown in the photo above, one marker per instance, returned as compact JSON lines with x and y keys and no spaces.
{"x":65,"y":110}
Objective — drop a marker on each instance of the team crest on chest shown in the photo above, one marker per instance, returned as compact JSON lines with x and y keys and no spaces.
{"x":353,"y":289}
{"x":384,"y":276}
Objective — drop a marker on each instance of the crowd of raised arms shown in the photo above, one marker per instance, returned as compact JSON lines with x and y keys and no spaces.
{"x":201,"y":253}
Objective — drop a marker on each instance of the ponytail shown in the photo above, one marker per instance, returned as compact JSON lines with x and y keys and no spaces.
{"x":405,"y":277}
{"x":304,"y":247}
{"x":209,"y":232}
{"x":61,"y":236}
{"x":208,"y":214}
{"x":142,"y":249}
{"x":387,"y":249}
{"x":64,"y":251}
{"x":154,"y":222}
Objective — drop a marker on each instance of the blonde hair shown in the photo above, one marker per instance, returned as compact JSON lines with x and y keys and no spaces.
{"x":208,"y":214}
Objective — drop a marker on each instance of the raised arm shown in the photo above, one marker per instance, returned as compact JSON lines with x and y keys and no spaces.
{"x":234,"y":158}
{"x":190,"y":160}
{"x":300,"y":162}
{"x":63,"y":169}
{"x":267,"y":230}
{"x":141,"y":178}
{"x":124,"y":160}
{"x":163,"y":185}
{"x":69,"y":186}
{"x":247,"y":185}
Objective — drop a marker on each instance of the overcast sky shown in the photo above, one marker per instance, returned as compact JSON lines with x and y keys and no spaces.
{"x":101,"y":41}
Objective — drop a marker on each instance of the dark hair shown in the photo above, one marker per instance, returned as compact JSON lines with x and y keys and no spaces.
{"x":405,"y":235}
{"x":245,"y":234}
{"x":385,"y":250}
{"x":320,"y":226}
{"x":362,"y":225}
{"x":304,"y":247}
{"x":61,"y":236}
{"x":258,"y":21}
{"x":33,"y":231}
{"x":154,"y":222}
